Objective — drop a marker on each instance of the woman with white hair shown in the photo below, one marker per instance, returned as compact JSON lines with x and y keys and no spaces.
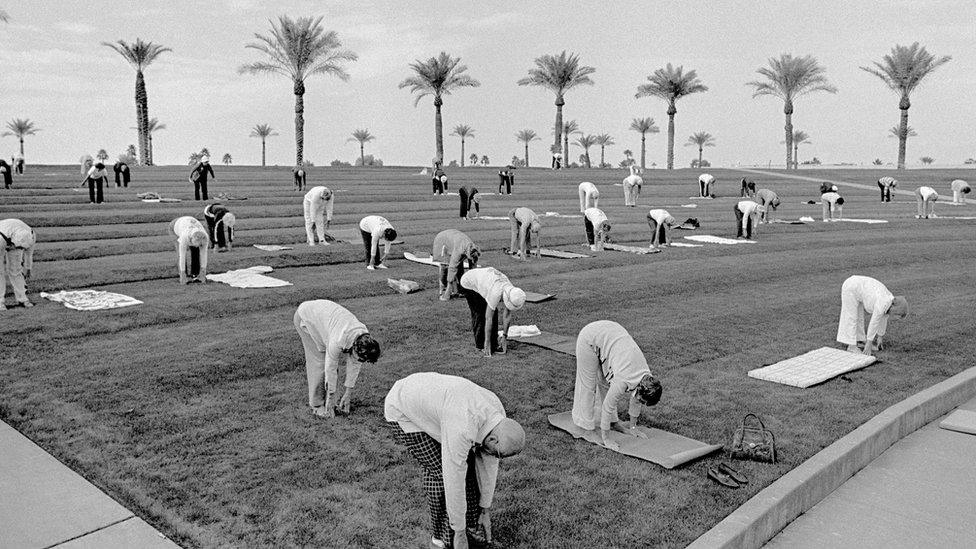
{"x":747,"y":213}
{"x":191,"y":237}
{"x":198,"y":176}
{"x":526,"y":228}
{"x":484,"y":288}
{"x":925,"y":197}
{"x":860,"y":295}
{"x":17,"y":239}
{"x":317,"y":208}
{"x":589,"y":196}
{"x":959,"y":187}
{"x":632,"y":186}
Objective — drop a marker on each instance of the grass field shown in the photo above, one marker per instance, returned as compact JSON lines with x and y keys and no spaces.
{"x":190,"y":409}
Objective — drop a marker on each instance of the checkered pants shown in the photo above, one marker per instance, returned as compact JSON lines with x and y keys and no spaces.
{"x":427,"y":451}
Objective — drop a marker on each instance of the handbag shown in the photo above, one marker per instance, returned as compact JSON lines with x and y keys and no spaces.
{"x":753,"y":442}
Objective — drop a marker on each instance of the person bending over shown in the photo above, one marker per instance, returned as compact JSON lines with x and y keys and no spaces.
{"x":96,"y":178}
{"x":925,"y":198}
{"x":833,"y":206}
{"x":122,"y":174}
{"x":457,"y":431}
{"x":959,"y":188}
{"x":317,"y":206}
{"x":860,"y":295}
{"x":469,"y":201}
{"x":484,"y":288}
{"x":16,"y":260}
{"x":597,"y":228}
{"x":632,"y":186}
{"x":218,"y":229}
{"x":609,"y":366}
{"x":451,"y":249}
{"x":374,"y":228}
{"x":887,"y":183}
{"x":747,"y":212}
{"x":661,"y":223}
{"x":589,"y":196}
{"x":6,"y":173}
{"x":705,"y":182}
{"x":300,"y":177}
{"x":191,"y":238}
{"x":331,"y":335}
{"x":768,"y":200}
{"x":439,"y":179}
{"x":526,"y":226}
{"x":748,"y":189}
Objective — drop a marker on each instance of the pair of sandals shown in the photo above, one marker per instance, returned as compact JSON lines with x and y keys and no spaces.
{"x":725,"y":475}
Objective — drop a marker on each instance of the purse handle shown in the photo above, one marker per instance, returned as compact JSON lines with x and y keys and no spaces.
{"x":760,"y":421}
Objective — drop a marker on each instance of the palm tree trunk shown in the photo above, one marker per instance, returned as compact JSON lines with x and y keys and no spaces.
{"x":438,"y":129}
{"x":566,"y":148}
{"x":462,"y":152}
{"x":559,"y":127}
{"x":142,"y":118}
{"x":643,"y":150}
{"x":526,"y":154}
{"x":299,"y":122}
{"x":263,"y":150}
{"x":588,"y":164}
{"x":21,"y":145}
{"x":672,"y":110}
{"x":796,"y":156}
{"x":149,"y":140}
{"x":362,"y":153}
{"x":902,"y":139}
{"x":788,"y":128}
{"x":602,"y":157}
{"x":699,"y":157}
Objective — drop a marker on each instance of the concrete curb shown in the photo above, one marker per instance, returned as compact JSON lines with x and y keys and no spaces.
{"x":772,"y":509}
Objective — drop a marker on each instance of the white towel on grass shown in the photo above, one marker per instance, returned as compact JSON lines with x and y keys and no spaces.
{"x":717,"y":239}
{"x":492,"y":218}
{"x":869,"y":221}
{"x":90,"y":300}
{"x":523,"y":331}
{"x":251,"y":277}
{"x":683,"y":245}
{"x":272,"y":247}
{"x":689,"y":205}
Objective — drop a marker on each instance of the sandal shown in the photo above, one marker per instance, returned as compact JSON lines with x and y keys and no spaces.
{"x":735,"y":475}
{"x":722,"y":478}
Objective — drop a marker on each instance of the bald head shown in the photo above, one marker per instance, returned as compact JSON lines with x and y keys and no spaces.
{"x":505,"y":440}
{"x":899,"y":307}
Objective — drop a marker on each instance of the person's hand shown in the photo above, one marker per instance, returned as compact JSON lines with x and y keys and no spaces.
{"x":484,"y":520}
{"x":461,"y":539}
{"x":611,"y":445}
{"x":344,"y":401}
{"x":879,"y":344}
{"x":202,"y":279}
{"x":503,"y":343}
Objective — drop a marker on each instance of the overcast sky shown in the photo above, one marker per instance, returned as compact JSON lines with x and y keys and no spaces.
{"x":81,"y":94}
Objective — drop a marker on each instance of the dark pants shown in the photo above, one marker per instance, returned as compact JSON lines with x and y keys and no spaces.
{"x":748,"y":188}
{"x":199,"y":186}
{"x":657,"y":231}
{"x":703,"y":188}
{"x":505,"y":181}
{"x":95,"y":190}
{"x":118,"y":182}
{"x":738,"y":223}
{"x":368,"y":244}
{"x":457,"y":277}
{"x":589,"y":231}
{"x":885,"y":192}
{"x":193,"y":268}
{"x":478,"y":306}
{"x":467,"y":202}
{"x":20,"y":168}
{"x":216,"y":229}
{"x":300,"y":181}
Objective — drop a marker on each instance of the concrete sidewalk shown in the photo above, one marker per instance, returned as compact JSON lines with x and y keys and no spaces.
{"x":43,"y":504}
{"x":921,"y":492}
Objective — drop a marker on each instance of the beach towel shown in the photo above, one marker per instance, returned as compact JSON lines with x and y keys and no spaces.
{"x":689,"y":205}
{"x":952,"y":217}
{"x":492,"y":217}
{"x":631,"y":249}
{"x":426,"y":259}
{"x":545,"y":252}
{"x":350,"y":236}
{"x":252,"y":277}
{"x":272,"y":247}
{"x":523,"y":331}
{"x":717,"y":239}
{"x":813,"y":367}
{"x":90,"y":300}
{"x":789,"y":221}
{"x":557,"y":214}
{"x":701,"y":198}
{"x":668,"y":450}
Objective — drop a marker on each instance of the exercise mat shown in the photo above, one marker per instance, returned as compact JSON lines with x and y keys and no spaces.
{"x":553,"y":342}
{"x":812,"y":368}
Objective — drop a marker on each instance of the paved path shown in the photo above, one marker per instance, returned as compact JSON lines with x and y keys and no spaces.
{"x":43,"y":504}
{"x":921,"y":492}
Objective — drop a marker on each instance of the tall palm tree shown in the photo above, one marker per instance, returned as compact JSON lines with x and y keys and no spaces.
{"x":438,"y":76}
{"x":644,"y":126}
{"x":140,"y":55}
{"x":895,"y":131}
{"x":263,"y":131}
{"x":569,"y":128}
{"x":790,"y":78}
{"x":799,"y":137}
{"x":586,"y":141}
{"x":363,"y":137}
{"x":903,"y":70}
{"x":558,"y":74}
{"x":700,"y":140}
{"x":151,"y":127}
{"x":299,"y":48}
{"x":526,"y":136}
{"x":604,"y":140}
{"x":19,"y":128}
{"x":463,"y":131}
{"x":671,"y":84}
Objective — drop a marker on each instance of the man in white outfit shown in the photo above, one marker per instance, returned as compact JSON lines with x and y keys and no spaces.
{"x":457,"y":431}
{"x":17,"y":239}
{"x":925,"y":198}
{"x":373,"y":229}
{"x":318,"y":212}
{"x":860,"y":295}
{"x":661,"y":223}
{"x":767,"y":199}
{"x":589,"y":196}
{"x":609,"y":366}
{"x":705,"y":182}
{"x":833,"y":206}
{"x":747,"y":213}
{"x":959,"y":187}
{"x":597,"y":228}
{"x":526,"y":228}
{"x":632,"y":186}
{"x":191,"y":237}
{"x":330,"y":335}
{"x":484,"y":288}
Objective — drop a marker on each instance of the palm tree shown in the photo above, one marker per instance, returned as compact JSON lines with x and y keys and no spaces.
{"x":799,"y":137}
{"x":671,"y":84}
{"x":19,"y":128}
{"x":569,"y":128}
{"x":463,"y":131}
{"x":586,"y":141}
{"x":558,"y":74}
{"x":299,"y":48}
{"x":525,"y":136}
{"x":228,"y":159}
{"x":140,"y":55}
{"x":895,"y":131}
{"x":152,"y":127}
{"x":438,"y":76}
{"x":363,"y":136}
{"x":604,"y":140}
{"x":644,"y":126}
{"x":101,"y":155}
{"x":927,"y":160}
{"x":700,"y":140}
{"x":903,"y":70}
{"x":263,"y":131}
{"x":789,"y":78}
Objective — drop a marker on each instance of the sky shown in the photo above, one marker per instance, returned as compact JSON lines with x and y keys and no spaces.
{"x":81,"y":94}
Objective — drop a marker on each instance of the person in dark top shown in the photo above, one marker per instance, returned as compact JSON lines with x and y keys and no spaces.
{"x":199,"y":177}
{"x":439,"y":179}
{"x":6,"y":172}
{"x":506,"y":178}
{"x":748,"y":188}
{"x":219,"y":219}
{"x":122,"y":174}
{"x":469,"y":201}
{"x":299,"y":173}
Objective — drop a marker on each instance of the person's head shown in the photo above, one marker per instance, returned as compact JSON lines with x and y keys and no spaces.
{"x":473,"y":256}
{"x":965,"y":190}
{"x":476,"y":198}
{"x":366,"y":349}
{"x":389,"y":235}
{"x":595,"y":194}
{"x":649,"y":390}
{"x":514,"y":298}
{"x":761,"y":210}
{"x":899,"y":307}
{"x":604,"y":229}
{"x":199,"y":238}
{"x":99,"y":166}
{"x":327,"y":194}
{"x":839,"y":201}
{"x":230,"y":219}
{"x":535,"y":226}
{"x":934,"y":197}
{"x":205,"y":159}
{"x":775,"y":203}
{"x":505,"y":440}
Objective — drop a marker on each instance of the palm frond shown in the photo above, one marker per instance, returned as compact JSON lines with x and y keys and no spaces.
{"x":299,"y":48}
{"x":438,"y":76}
{"x":905,"y":67}
{"x":525,"y":136}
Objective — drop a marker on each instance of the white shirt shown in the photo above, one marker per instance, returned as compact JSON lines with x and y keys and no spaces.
{"x":458,"y":414}
{"x":830,"y":197}
{"x":928,"y":193}
{"x":959,"y":185}
{"x":888,"y":181}
{"x":183,"y":228}
{"x":874,"y":297}
{"x":706,"y":178}
{"x":589,"y":190}
{"x":489,"y":282}
{"x":333,"y":329}
{"x":94,"y":173}
{"x":596,"y":216}
{"x":318,"y":197}
{"x":661,"y":217}
{"x":376,"y":225}
{"x":621,"y":361}
{"x":747,"y":207}
{"x":22,"y":236}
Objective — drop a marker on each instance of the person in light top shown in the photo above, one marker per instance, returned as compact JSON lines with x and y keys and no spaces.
{"x":609,"y":366}
{"x":484,"y":288}
{"x":860,"y":295}
{"x":317,"y":207}
{"x":191,"y":237}
{"x":925,"y":198}
{"x":767,"y":199}
{"x":374,"y":228}
{"x":526,"y":228}
{"x":747,"y":213}
{"x":96,"y":178}
{"x":597,"y":228}
{"x":220,"y":226}
{"x":16,"y":259}
{"x":457,"y":431}
{"x":589,"y":196}
{"x":705,"y":182}
{"x":833,"y":206}
{"x":887,"y":183}
{"x":470,"y":200}
{"x":959,"y":188}
{"x":661,"y":223}
{"x":632,"y":186}
{"x":330,"y":335}
{"x":451,"y":249}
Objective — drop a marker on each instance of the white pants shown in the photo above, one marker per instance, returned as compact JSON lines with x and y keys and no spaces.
{"x":314,"y":367}
{"x":829,"y":209}
{"x":316,"y":218}
{"x":12,"y":268}
{"x":631,"y":193}
{"x":850,"y":328}
{"x":957,"y":197}
{"x":925,"y":207}
{"x":591,"y":389}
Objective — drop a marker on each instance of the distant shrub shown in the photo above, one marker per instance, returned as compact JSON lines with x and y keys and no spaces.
{"x":340,"y":164}
{"x":369,"y":161}
{"x":453,"y":164}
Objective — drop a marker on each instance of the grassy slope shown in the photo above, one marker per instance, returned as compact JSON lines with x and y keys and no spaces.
{"x":190,"y":408}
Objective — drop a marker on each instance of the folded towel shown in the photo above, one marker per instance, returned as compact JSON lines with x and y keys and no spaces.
{"x":523,"y":331}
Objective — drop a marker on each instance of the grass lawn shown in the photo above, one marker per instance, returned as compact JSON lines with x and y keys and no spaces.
{"x":191,"y":409}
